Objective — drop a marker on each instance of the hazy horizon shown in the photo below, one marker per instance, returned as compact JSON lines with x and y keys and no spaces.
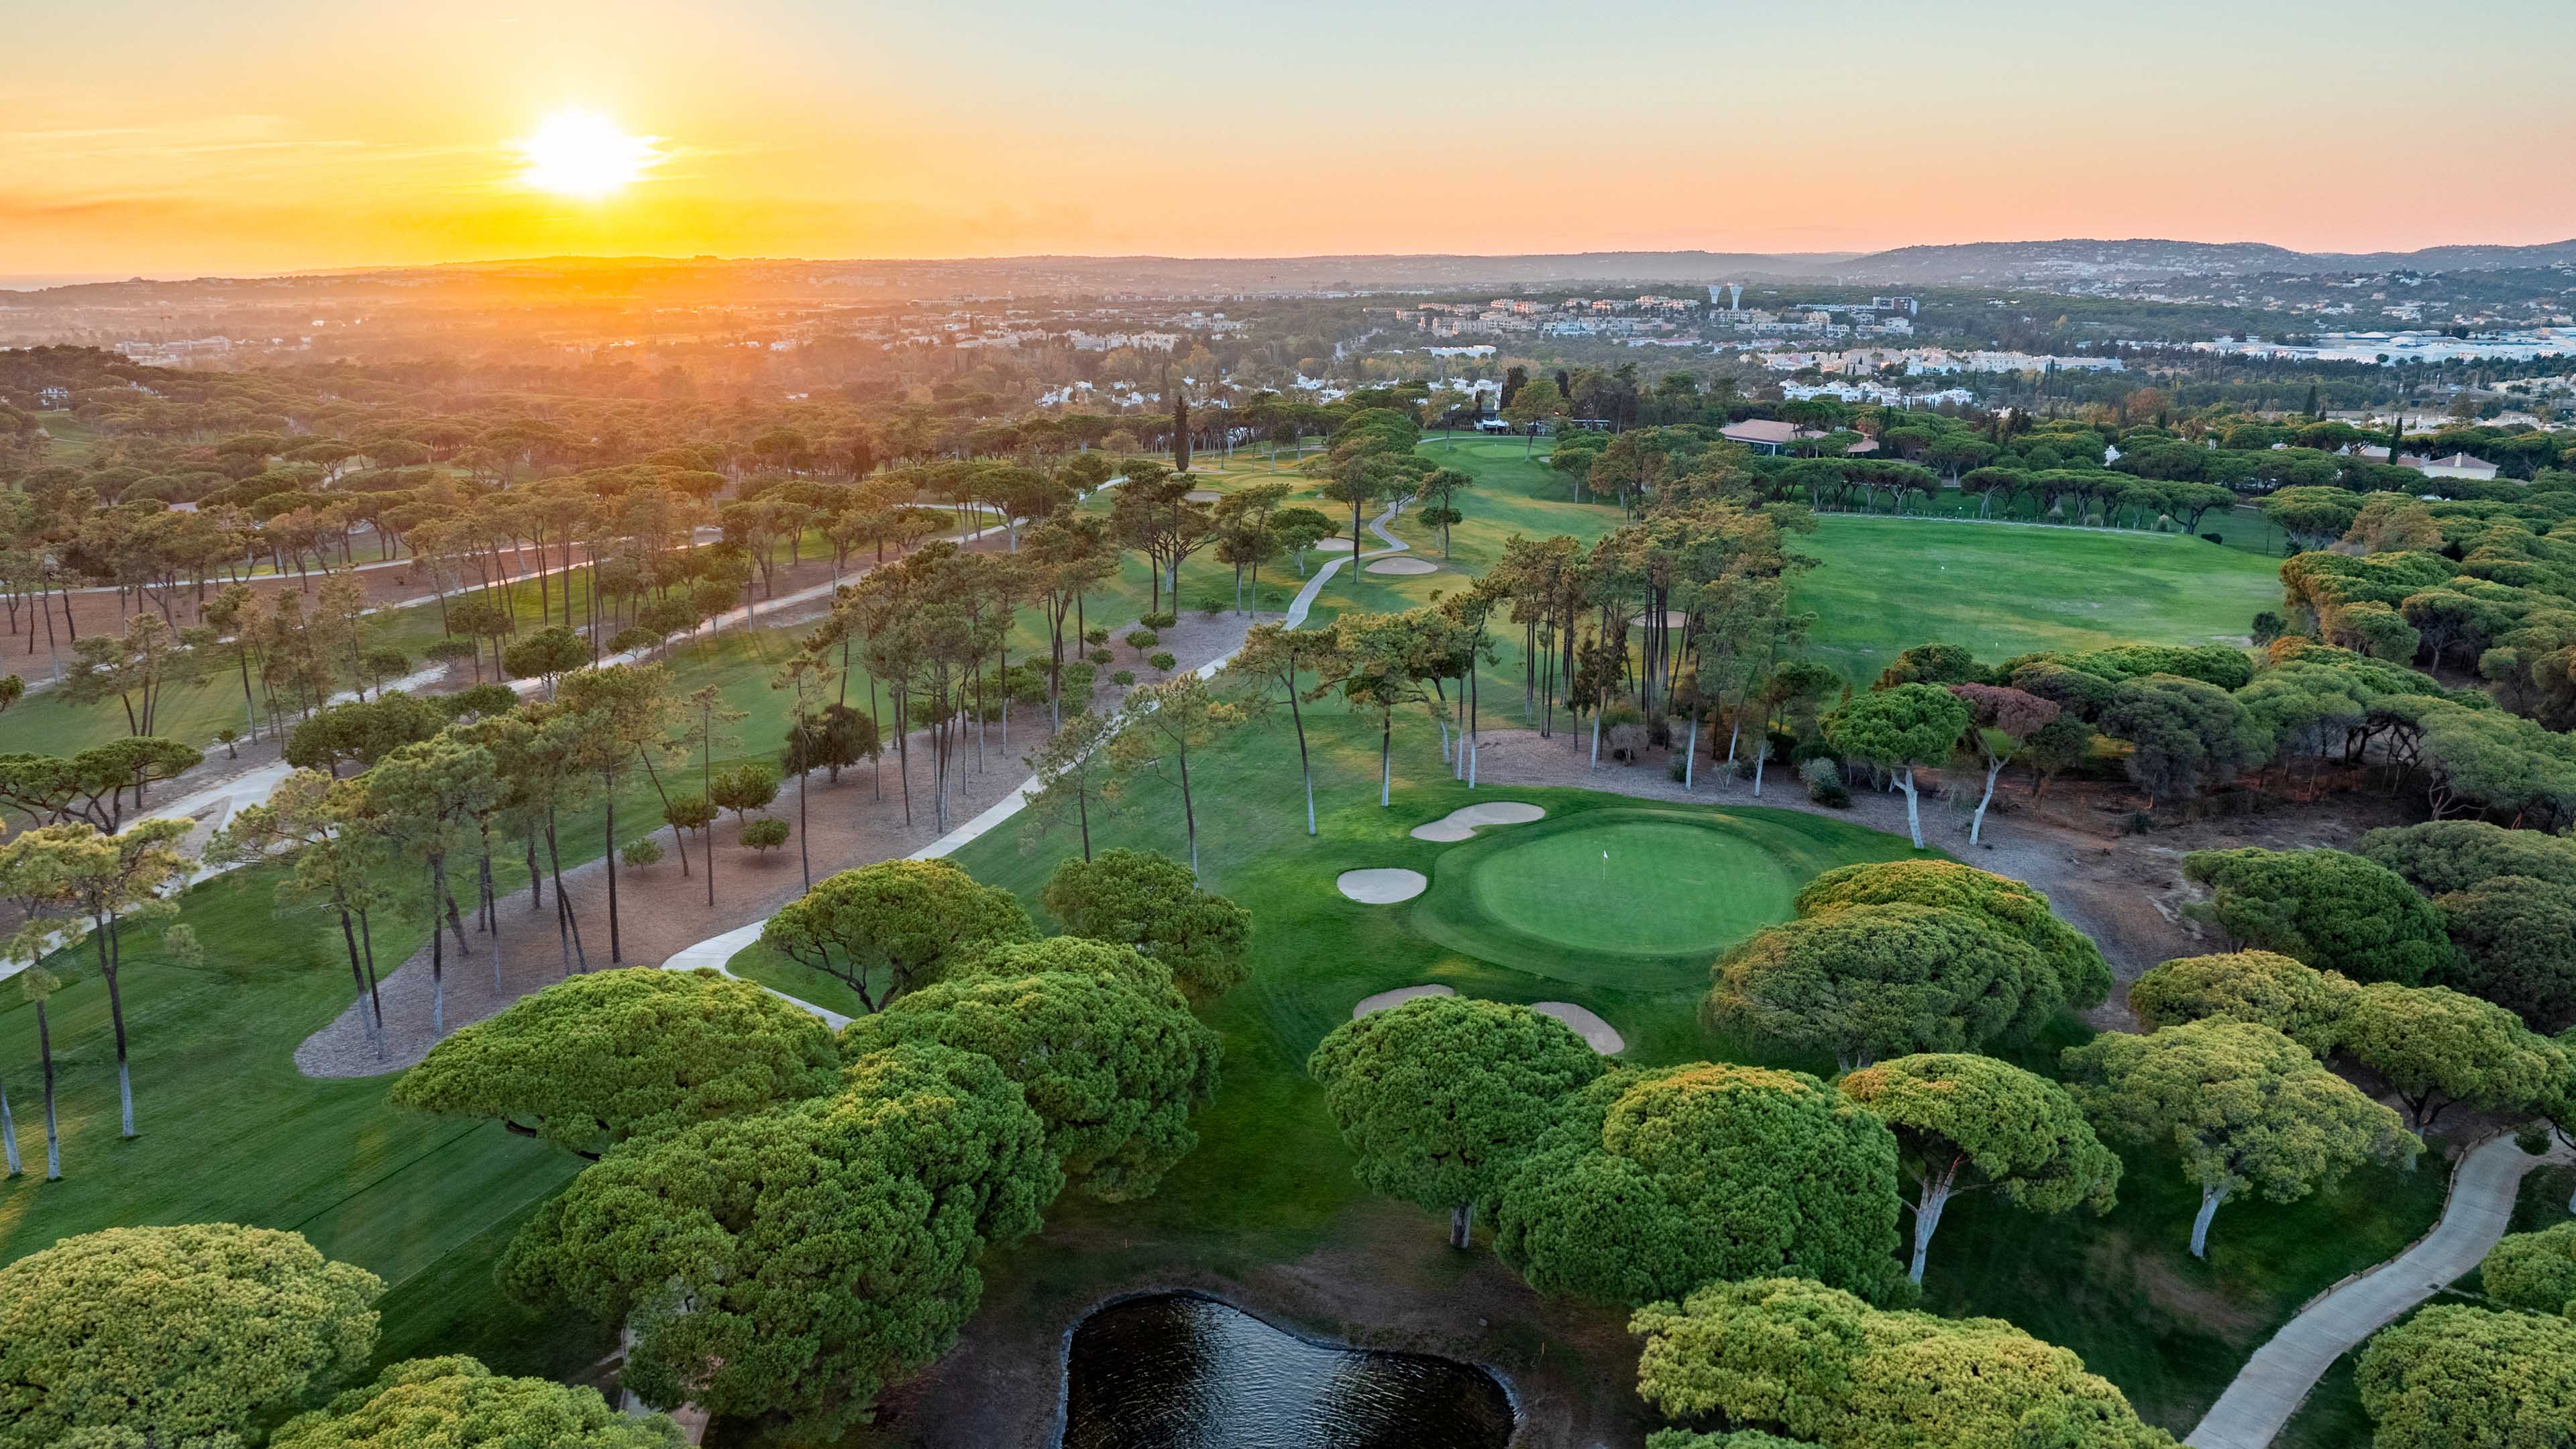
{"x":278,"y":135}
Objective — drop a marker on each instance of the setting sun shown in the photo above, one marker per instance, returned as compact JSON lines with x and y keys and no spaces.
{"x":584,"y":154}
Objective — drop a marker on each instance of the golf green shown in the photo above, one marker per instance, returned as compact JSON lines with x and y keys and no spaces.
{"x":1643,"y":887}
{"x":1638,"y":898}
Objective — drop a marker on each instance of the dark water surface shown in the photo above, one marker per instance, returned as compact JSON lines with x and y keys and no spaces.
{"x":1175,"y":1371}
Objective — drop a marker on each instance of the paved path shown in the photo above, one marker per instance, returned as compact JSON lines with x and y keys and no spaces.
{"x":253,"y":787}
{"x":2276,"y":1380}
{"x":716,"y":950}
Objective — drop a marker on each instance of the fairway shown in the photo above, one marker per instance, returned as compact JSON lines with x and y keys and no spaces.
{"x":2000,"y":589}
{"x":1639,"y":884}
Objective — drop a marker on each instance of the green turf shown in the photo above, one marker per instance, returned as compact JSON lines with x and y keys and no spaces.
{"x":1647,"y":883}
{"x":1883,"y":584}
{"x":1677,"y":886}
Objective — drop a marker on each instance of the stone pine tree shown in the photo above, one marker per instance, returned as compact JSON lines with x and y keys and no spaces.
{"x":1822,"y":1367}
{"x":2245,"y":1106}
{"x":883,"y":1197}
{"x":2458,"y":1377}
{"x":2435,"y":1046}
{"x":1650,"y":1183}
{"x":1897,"y":730}
{"x":883,"y":929}
{"x":1158,"y":728}
{"x":101,"y":884}
{"x":2535,"y":1272}
{"x":1072,"y":770}
{"x":1866,"y":982}
{"x":37,"y":986}
{"x":2291,"y":997}
{"x":2015,"y":906}
{"x":174,"y":1335}
{"x":2003,"y":720}
{"x":1441,"y":1097}
{"x":457,"y":1403}
{"x":590,"y":1062}
{"x":423,"y":796}
{"x":1272,"y":662}
{"x":1152,"y":902}
{"x":1970,"y":1123}
{"x":1112,"y":1066}
{"x":624,"y":709}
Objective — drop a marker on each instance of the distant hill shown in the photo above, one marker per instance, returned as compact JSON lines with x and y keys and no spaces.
{"x":2142,"y":259}
{"x":594,"y":279}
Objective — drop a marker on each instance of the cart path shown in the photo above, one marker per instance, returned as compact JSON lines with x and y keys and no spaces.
{"x":2276,"y":1380}
{"x":716,"y":950}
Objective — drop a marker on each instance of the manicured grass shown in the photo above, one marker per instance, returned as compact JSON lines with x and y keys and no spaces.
{"x":1627,"y":895}
{"x":1680,"y":889}
{"x":1883,"y":584}
{"x":757,"y":962}
{"x":231,"y":1132}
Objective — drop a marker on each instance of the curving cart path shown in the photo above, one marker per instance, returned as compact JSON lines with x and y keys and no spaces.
{"x":716,"y":950}
{"x":216,"y":803}
{"x":2276,"y":1380}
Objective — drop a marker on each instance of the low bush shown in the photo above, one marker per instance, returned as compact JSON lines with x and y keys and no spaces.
{"x":1824,"y":781}
{"x":765,"y":834}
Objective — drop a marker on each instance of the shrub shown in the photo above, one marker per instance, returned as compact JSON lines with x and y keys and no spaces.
{"x":1123,"y":678}
{"x":1623,"y":731}
{"x":1141,"y":640}
{"x":765,"y":834}
{"x":2215,"y":537}
{"x":228,"y":737}
{"x":641,"y":852}
{"x":1095,"y":636}
{"x":1163,"y":620}
{"x":1101,"y":656}
{"x":1163,"y":661}
{"x":1210,"y":608}
{"x":1078,"y":679}
{"x":632,"y":638}
{"x":1824,"y":782}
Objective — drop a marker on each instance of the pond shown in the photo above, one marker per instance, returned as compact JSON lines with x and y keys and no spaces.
{"x":1177,"y":1371}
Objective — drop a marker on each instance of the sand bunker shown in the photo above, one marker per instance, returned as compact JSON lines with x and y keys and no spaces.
{"x":1400,"y":564}
{"x":1397,"y":997}
{"x":1381,"y":887}
{"x":1673,"y":619}
{"x":1460,"y":823}
{"x":1595,"y":1032}
{"x":1202,"y":495}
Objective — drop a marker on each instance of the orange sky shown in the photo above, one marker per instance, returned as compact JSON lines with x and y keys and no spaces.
{"x":165,"y":138}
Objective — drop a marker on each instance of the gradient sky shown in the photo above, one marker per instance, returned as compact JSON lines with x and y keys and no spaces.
{"x":175,"y":137}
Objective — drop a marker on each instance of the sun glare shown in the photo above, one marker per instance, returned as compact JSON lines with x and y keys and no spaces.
{"x":584,"y":154}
